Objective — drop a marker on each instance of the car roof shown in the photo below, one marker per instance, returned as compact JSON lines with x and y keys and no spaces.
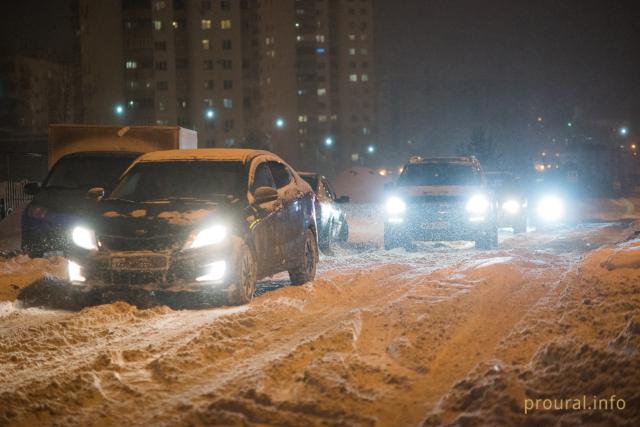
{"x":130,"y":154}
{"x":444,"y":159}
{"x":219,"y":154}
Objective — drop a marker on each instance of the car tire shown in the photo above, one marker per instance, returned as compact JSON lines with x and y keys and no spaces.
{"x":343,"y":237}
{"x":306,"y":270}
{"x":520,"y":227}
{"x":488,"y":240}
{"x":245,"y":283}
{"x":325,"y":240}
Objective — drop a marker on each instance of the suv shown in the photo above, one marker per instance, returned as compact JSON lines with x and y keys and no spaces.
{"x":206,"y":222}
{"x":440,"y":198}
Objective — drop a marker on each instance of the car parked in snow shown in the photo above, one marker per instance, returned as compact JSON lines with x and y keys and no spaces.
{"x":440,"y":198}
{"x":209,"y":222}
{"x":330,"y":215}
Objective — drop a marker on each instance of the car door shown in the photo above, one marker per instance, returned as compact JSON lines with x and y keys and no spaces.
{"x":330,"y":214}
{"x":293,"y":220}
{"x":266,"y":225}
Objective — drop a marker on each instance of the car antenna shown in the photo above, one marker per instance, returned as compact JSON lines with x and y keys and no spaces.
{"x":123,"y":131}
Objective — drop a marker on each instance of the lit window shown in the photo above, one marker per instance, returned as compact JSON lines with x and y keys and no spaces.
{"x":161,"y":106}
{"x":352,"y":36}
{"x":322,"y":118}
{"x":131,"y":65}
{"x":302,"y":119}
{"x":208,"y":102}
{"x":205,"y":24}
{"x":157,"y":25}
{"x":355,"y":157}
{"x":229,"y":142}
{"x":205,"y":44}
{"x":160,"y":5}
{"x":353,"y":77}
{"x":320,"y":38}
{"x":322,"y":92}
{"x":364,"y":77}
{"x":225,"y":24}
{"x":352,"y":51}
{"x":227,"y":103}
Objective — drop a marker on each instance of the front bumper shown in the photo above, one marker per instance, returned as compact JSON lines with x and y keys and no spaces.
{"x":432,"y":222}
{"x":210,"y":269}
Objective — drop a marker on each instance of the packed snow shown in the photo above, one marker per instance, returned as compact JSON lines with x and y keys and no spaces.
{"x":446,"y":334}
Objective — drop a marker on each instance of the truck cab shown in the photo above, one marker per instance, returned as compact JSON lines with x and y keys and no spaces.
{"x":82,"y":157}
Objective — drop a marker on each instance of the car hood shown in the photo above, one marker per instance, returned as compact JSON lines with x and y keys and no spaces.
{"x":144,"y":220}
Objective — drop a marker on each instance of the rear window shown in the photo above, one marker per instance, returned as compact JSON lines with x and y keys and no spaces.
{"x":425,"y":174}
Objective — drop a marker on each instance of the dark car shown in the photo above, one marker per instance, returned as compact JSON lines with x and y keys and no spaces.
{"x":208,"y":222}
{"x":511,"y":198}
{"x":61,"y":200}
{"x":444,"y":198}
{"x":331,"y":218}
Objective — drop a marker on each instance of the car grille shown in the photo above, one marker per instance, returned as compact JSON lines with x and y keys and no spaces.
{"x":155,"y":243}
{"x":132,"y":278}
{"x":436,"y":208}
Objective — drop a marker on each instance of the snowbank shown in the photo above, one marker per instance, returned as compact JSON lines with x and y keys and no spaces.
{"x":10,"y":231}
{"x":21,"y":271}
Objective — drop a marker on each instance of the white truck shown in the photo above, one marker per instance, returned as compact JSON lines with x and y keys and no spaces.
{"x":82,"y":157}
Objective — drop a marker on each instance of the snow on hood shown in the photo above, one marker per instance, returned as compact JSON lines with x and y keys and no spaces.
{"x":440,"y":190}
{"x":184,"y":218}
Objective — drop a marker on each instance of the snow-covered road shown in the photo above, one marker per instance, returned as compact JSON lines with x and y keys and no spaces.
{"x":446,"y":334}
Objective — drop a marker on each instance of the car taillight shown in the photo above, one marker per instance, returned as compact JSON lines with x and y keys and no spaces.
{"x":37,"y":212}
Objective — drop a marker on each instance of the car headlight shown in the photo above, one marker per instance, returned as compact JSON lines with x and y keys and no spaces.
{"x":395,"y":206}
{"x":478,"y":205}
{"x":209,"y":236}
{"x":75,"y":273}
{"x":551,"y":208}
{"x":511,"y":206}
{"x":84,"y":238}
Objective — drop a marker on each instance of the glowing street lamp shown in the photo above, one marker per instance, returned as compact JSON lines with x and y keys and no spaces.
{"x":210,"y":114}
{"x":119,"y":110}
{"x":371,"y":149}
{"x":328,"y":141}
{"x":624,"y":131}
{"x":279,"y":122}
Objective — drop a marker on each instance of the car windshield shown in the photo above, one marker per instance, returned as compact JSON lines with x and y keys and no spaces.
{"x":312,"y":180}
{"x":424,"y":174}
{"x":181,"y":180}
{"x":84,"y":172}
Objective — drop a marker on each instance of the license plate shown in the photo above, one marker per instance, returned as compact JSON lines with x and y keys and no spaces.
{"x":436,"y":225}
{"x":141,"y":263}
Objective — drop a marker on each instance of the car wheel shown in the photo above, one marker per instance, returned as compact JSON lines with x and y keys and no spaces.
{"x":395,"y":240}
{"x":245,"y":286}
{"x":344,"y":232}
{"x":325,"y":240}
{"x":306,"y":271}
{"x":488,"y":240}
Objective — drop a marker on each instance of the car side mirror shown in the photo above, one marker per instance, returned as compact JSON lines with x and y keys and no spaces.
{"x":32,"y":188}
{"x":343,"y":199}
{"x":265,"y":194}
{"x":95,"y":194}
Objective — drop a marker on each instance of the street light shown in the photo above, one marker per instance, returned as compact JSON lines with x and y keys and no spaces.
{"x":280,"y":122}
{"x":119,"y":109}
{"x":210,"y":114}
{"x":371,"y":149}
{"x":328,"y":141}
{"x":624,"y":131}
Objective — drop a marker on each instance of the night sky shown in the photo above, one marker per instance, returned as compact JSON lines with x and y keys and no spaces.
{"x":446,"y":67}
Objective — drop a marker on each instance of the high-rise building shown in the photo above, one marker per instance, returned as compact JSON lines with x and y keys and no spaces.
{"x":316,"y":79}
{"x":294,"y":76}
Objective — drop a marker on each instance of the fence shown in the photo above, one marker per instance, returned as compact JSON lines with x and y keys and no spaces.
{"x":12,"y":197}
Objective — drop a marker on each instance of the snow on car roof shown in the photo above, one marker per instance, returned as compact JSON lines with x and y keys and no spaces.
{"x":219,"y":154}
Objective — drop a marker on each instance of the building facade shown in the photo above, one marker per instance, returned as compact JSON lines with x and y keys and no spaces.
{"x":293,"y":76}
